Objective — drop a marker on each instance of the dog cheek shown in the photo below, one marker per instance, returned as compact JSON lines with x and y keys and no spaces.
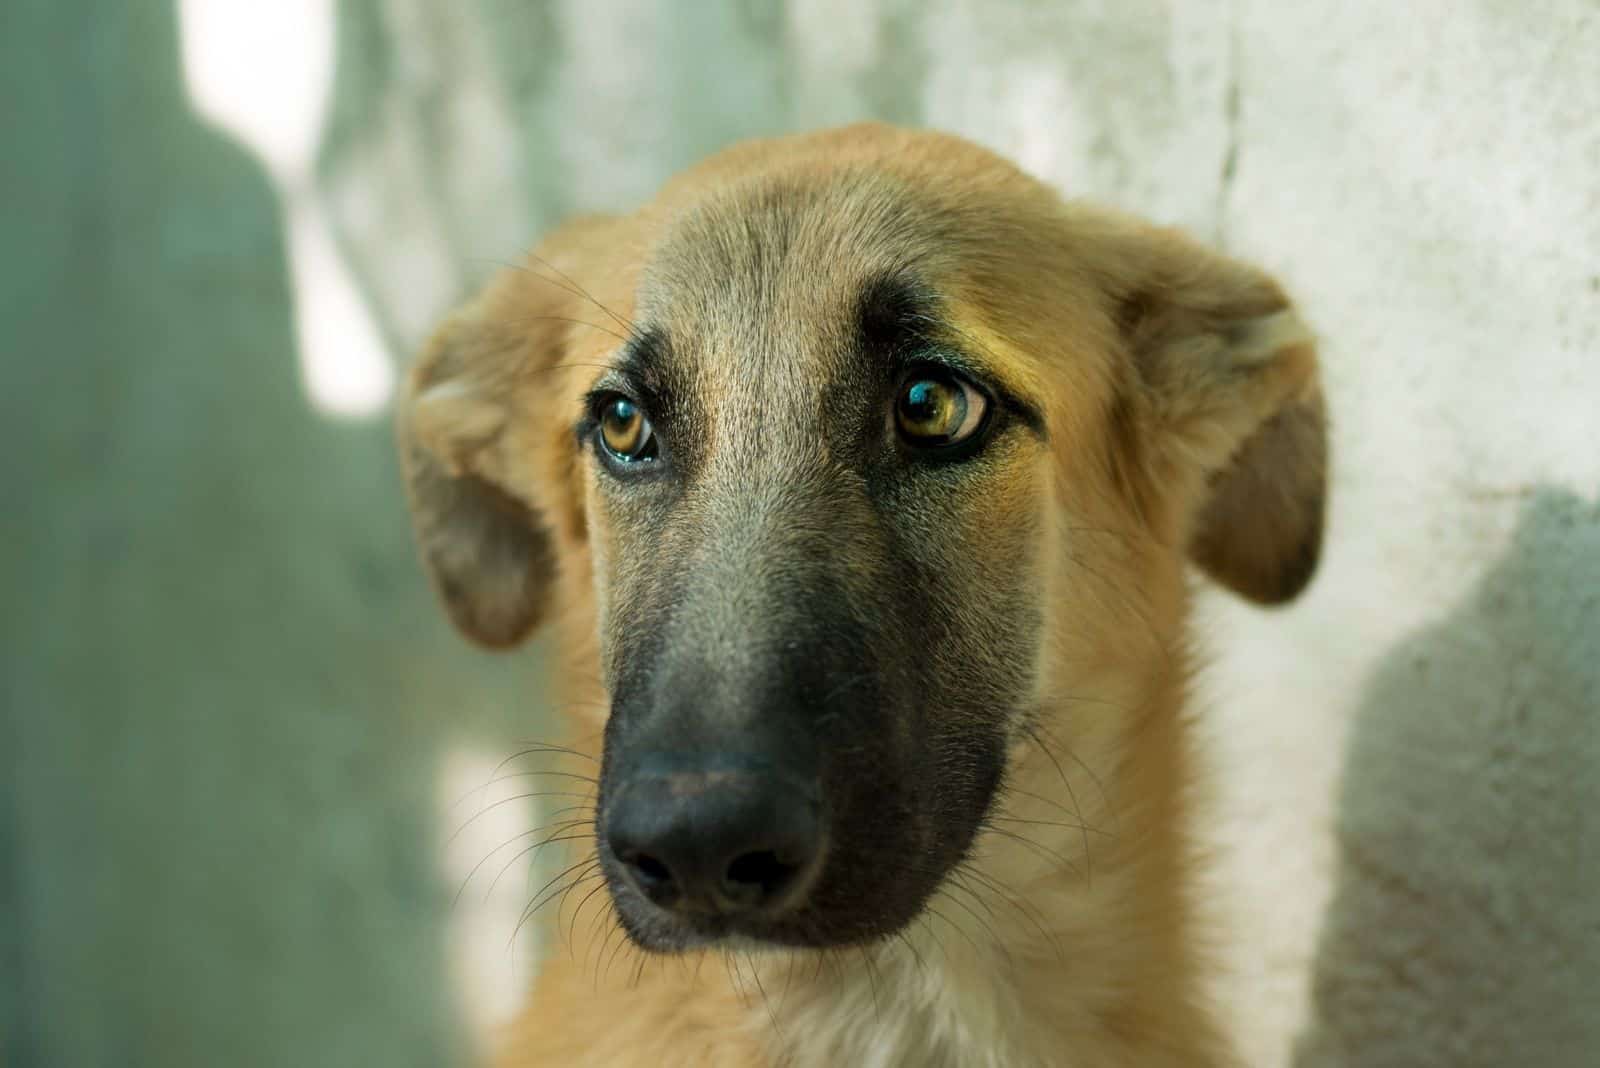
{"x":601,"y":555}
{"x":1005,"y":606}
{"x":619,"y":580}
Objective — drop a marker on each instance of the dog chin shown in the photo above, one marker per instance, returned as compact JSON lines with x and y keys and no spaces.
{"x":655,"y":931}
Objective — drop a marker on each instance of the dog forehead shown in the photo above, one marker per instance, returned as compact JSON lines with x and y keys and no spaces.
{"x":761,"y":286}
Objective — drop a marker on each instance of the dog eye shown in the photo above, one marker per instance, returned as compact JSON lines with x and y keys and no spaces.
{"x":624,"y":432}
{"x":937,"y":408}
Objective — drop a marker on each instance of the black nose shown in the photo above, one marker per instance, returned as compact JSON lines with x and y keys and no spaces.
{"x":719,"y":842}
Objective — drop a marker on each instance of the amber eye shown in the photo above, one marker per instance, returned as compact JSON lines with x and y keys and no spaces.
{"x":624,"y":431}
{"x":936,"y":408}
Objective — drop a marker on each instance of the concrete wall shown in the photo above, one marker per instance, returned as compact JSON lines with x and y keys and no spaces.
{"x":231,"y":711}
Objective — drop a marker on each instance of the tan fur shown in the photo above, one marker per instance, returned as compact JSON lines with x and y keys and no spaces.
{"x":1184,"y":421}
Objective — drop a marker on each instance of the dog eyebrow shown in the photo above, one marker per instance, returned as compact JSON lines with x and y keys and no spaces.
{"x":642,"y":362}
{"x":894,"y":311}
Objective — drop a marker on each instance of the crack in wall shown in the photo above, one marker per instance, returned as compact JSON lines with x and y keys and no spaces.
{"x":1230,"y":114}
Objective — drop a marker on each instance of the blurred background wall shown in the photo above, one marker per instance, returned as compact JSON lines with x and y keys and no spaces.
{"x":237,"y":735}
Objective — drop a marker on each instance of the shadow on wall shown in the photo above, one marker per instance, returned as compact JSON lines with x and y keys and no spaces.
{"x":226,"y":689}
{"x":1465,"y":924}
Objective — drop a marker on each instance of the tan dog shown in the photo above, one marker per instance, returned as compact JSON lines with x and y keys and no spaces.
{"x":860,"y":473}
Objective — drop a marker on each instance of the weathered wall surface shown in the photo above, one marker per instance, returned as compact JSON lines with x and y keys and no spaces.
{"x":225,"y":691}
{"x":228,"y":699}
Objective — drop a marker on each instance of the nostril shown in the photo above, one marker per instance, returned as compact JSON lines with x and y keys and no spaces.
{"x":652,"y":877}
{"x":755,"y":877}
{"x":650,"y":870}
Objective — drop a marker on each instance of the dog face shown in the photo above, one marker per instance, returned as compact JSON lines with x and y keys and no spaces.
{"x":816,"y":533}
{"x":888,"y":450}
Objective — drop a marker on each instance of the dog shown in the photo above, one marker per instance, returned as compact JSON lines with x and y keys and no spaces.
{"x":860,"y":475}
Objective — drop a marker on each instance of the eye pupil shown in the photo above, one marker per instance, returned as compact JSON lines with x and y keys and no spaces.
{"x":931,"y":411}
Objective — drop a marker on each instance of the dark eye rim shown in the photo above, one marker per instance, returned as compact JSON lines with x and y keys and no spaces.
{"x":950,"y":451}
{"x":593,"y":428}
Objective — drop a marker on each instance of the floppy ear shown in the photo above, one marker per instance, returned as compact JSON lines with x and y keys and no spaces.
{"x":485,"y":544}
{"x":485,"y":437}
{"x":1227,"y":373}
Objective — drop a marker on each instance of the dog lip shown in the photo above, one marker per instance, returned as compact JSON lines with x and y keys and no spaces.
{"x":701,"y":930}
{"x":693,"y":924}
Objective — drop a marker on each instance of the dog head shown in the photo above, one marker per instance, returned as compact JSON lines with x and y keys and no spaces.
{"x":853,"y":452}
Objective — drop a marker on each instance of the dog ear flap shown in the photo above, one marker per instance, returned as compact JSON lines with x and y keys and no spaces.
{"x":486,"y":548}
{"x":1228,"y":372}
{"x":1260,"y":531}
